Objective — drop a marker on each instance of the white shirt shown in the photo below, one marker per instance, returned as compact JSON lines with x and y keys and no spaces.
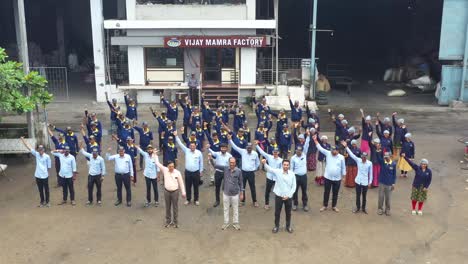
{"x":123,"y":165}
{"x":96,"y":165}
{"x":43,"y":163}
{"x":336,"y":167}
{"x":364,"y":174}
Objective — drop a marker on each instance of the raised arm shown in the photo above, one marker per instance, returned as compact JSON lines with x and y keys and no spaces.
{"x":26,"y":144}
{"x":411,"y":163}
{"x":263,"y":153}
{"x":351,"y":154}
{"x":181,"y":145}
{"x":235,"y":147}
{"x":306,"y":145}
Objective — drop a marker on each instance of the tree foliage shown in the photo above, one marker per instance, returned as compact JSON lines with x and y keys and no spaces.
{"x":14,"y":84}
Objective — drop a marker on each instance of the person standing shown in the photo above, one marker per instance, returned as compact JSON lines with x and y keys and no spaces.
{"x":123,"y":168}
{"x":275,"y":162}
{"x":221,"y":159}
{"x":321,"y":160}
{"x":146,"y":138}
{"x":299,"y":167}
{"x":400,"y":131}
{"x":193,"y":87}
{"x":335,"y":170}
{"x":408,"y":148}
{"x":173,"y":185}
{"x":132,"y":112}
{"x":43,"y":164}
{"x":232,"y":188}
{"x":285,"y":186}
{"x":151,"y":174}
{"x":387,"y":179}
{"x":296,"y":110}
{"x":250,"y":163}
{"x":363,"y":179}
{"x":376,"y":154}
{"x":351,"y":166}
{"x":60,"y":144}
{"x":422,"y":181}
{"x":67,"y":173}
{"x":70,"y":138}
{"x":96,"y":172}
{"x":193,"y":169}
{"x":172,"y":110}
{"x":367,"y":132}
{"x":114,"y":108}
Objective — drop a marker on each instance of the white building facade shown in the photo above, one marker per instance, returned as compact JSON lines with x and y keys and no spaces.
{"x":216,"y":40}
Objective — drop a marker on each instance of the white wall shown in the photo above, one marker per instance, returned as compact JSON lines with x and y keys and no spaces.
{"x":251,"y":7}
{"x":188,"y":32}
{"x":97,"y":28}
{"x":248,"y":66}
{"x":130,"y":5}
{"x":136,"y":65}
{"x":190,"y":12}
{"x":147,"y":97}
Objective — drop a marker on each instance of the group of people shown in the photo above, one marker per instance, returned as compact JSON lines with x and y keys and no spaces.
{"x":209,"y":130}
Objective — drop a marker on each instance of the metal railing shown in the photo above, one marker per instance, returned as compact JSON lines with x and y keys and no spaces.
{"x":192,"y":2}
{"x":57,"y":81}
{"x":288,"y":68}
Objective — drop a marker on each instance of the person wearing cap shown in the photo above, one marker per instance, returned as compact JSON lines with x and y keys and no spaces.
{"x":41,"y":174}
{"x":125,"y":130}
{"x":261,"y":136}
{"x":92,"y":118}
{"x":132,"y":151}
{"x":200,"y":132}
{"x":387,"y":179}
{"x":221,"y":160}
{"x":285,"y":141}
{"x":239,"y":117}
{"x":250,"y":164}
{"x":240,"y":142}
{"x":192,"y":139}
{"x":275,"y":162}
{"x":96,"y":172}
{"x":70,"y":138}
{"x":224,"y":109}
{"x":170,"y":151}
{"x":312,"y":152}
{"x":385,"y":138}
{"x":407,"y":148}
{"x":261,"y":106}
{"x":187,"y":108}
{"x":367,"y":131}
{"x":193,"y":169}
{"x":123,"y":168}
{"x":272,"y":144}
{"x":132,"y":112}
{"x":363,"y":179}
{"x":321,"y":159}
{"x":162,"y":119}
{"x":195,"y":118}
{"x":114,"y":108}
{"x":247,"y":132}
{"x":193,"y":88}
{"x":421,"y":182}
{"x":173,"y":185}
{"x":94,"y":131}
{"x":59,"y":144}
{"x":311,"y":123}
{"x":119,"y":121}
{"x":399,"y":135}
{"x":376,"y":155}
{"x":386,"y":124}
{"x":90,"y":142}
{"x":299,"y":167}
{"x":67,"y":173}
{"x":335,"y":170}
{"x":281,"y":119}
{"x":151,"y":174}
{"x":299,"y":141}
{"x":296,"y":110}
{"x":222,"y":134}
{"x":262,"y":118}
{"x":340,"y":126}
{"x":351,"y":165}
{"x":207,"y":113}
{"x":172,"y":109}
{"x":214,"y":145}
{"x":146,"y":138}
{"x":285,"y":186}
{"x":313,"y":116}
{"x":168,"y":128}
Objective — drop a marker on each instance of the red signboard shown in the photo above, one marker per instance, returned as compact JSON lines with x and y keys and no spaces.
{"x":215,"y":42}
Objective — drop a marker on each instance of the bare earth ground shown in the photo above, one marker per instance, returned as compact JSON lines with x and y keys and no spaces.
{"x":66,"y":234}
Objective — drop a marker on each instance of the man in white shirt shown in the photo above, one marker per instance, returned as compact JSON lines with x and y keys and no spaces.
{"x":67,"y":173}
{"x":335,"y":170}
{"x":96,"y":172}
{"x":123,"y":174}
{"x":43,"y":164}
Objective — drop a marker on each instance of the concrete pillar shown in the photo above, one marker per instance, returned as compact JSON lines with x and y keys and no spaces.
{"x":61,"y":36}
{"x":248,"y":66}
{"x":251,"y":9}
{"x":130,"y":6}
{"x":97,"y":26}
{"x":136,"y":65}
{"x":22,"y":42}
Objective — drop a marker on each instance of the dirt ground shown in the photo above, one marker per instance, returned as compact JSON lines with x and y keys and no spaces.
{"x":109,"y":234}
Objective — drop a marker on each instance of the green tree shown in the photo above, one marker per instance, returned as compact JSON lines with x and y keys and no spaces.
{"x":13,"y":86}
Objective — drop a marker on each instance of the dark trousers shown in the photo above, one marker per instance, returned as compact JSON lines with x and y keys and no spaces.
{"x":172,"y":202}
{"x":150,"y":182}
{"x":287,"y":208}
{"x":335,"y":187}
{"x":301,"y":182}
{"x":218,"y":180}
{"x":43,"y":187}
{"x":67,"y":185}
{"x":186,"y":126}
{"x":268,"y":188}
{"x":249,"y":176}
{"x":141,"y":160}
{"x":94,"y":180}
{"x":57,"y":170}
{"x":125,"y":180}
{"x":361,"y":189}
{"x":192,"y":178}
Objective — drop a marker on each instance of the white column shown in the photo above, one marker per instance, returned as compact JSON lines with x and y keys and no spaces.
{"x":97,"y":21}
{"x":136,"y":65}
{"x":251,"y":9}
{"x":131,"y":5}
{"x":248,"y":69}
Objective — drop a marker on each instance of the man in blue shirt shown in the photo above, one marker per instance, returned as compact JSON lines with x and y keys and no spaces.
{"x":275,"y":162}
{"x":193,"y":169}
{"x":221,"y":158}
{"x":146,"y":138}
{"x":71,"y":139}
{"x":151,"y":174}
{"x":387,"y":179}
{"x":43,"y":164}
{"x":172,"y":110}
{"x":114,"y":108}
{"x":59,"y":143}
{"x":296,"y":110}
{"x":285,"y":186}
{"x":123,"y":174}
{"x":67,"y":173}
{"x":132,"y":112}
{"x":97,"y":170}
{"x":299,"y":167}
